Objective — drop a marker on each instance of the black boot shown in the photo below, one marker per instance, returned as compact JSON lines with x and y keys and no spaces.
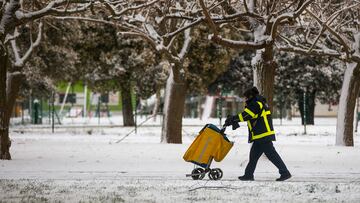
{"x":246,"y":178}
{"x":284,"y":177}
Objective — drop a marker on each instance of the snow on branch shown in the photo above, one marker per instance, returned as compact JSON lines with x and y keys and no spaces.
{"x":126,"y":28}
{"x":94,"y":20}
{"x":53,"y":8}
{"x":20,"y":61}
{"x":238,"y":43}
{"x":13,"y":14}
{"x":332,"y":31}
{"x":112,"y":7}
{"x":318,"y":52}
{"x":287,"y":16}
{"x":159,"y":23}
{"x":228,"y":42}
{"x":186,"y":44}
{"x":255,"y":20}
{"x":326,"y":30}
{"x":217,"y":20}
{"x":300,"y":48}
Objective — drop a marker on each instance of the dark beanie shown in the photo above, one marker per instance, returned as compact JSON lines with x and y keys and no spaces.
{"x":252,"y":92}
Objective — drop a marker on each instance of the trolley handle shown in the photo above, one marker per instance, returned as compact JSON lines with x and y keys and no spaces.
{"x":222,"y":130}
{"x":234,"y":126}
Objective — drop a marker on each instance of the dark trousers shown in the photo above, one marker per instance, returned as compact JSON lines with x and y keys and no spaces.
{"x":268,"y":148}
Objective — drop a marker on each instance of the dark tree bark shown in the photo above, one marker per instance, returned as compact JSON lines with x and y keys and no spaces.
{"x":127,"y":108}
{"x":349,"y":92}
{"x":13,"y":83}
{"x":309,"y":106}
{"x":288,"y":110}
{"x":4,"y":120}
{"x":173,"y":108}
{"x":264,"y":73}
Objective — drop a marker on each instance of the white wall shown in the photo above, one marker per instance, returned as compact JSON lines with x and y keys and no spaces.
{"x":321,"y":110}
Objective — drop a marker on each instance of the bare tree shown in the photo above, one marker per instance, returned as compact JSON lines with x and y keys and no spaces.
{"x":14,"y":14}
{"x":260,"y":21}
{"x":167,"y":26}
{"x":331,"y":28}
{"x":166,"y":29}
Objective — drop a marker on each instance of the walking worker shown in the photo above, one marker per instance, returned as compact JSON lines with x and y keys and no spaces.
{"x":261,"y":134}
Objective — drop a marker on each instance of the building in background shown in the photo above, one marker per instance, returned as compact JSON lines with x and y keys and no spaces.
{"x":76,"y":100}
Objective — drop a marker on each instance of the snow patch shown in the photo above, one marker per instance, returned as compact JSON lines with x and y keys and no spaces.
{"x":140,"y":18}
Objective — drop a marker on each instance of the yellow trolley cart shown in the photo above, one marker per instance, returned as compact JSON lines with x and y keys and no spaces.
{"x":211,"y":143}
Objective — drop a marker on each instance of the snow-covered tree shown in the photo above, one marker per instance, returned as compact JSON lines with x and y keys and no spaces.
{"x":13,"y":15}
{"x":331,"y":28}
{"x":117,"y":62}
{"x":319,"y":78}
{"x":167,"y":26}
{"x":261,"y":21}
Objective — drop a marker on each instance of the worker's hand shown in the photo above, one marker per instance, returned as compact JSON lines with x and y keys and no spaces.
{"x":235,"y":125}
{"x":230,"y":120}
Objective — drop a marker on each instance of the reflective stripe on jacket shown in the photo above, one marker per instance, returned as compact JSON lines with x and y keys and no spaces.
{"x":259,"y":121}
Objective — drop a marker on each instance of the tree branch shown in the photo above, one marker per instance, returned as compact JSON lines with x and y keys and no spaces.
{"x":144,"y":36}
{"x":317,"y":52}
{"x":186,"y":45}
{"x":208,"y":18}
{"x":238,"y":44}
{"x":337,"y":35}
{"x":132,"y":8}
{"x":292,"y":46}
{"x":287,"y":16}
{"x":20,"y":61}
{"x":51,"y":9}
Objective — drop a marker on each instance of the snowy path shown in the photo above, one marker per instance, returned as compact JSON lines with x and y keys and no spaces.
{"x":74,"y":166}
{"x":144,"y":190}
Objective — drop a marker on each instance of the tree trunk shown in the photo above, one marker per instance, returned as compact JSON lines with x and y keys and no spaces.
{"x":288,"y":111}
{"x":264,"y":73}
{"x":349,"y":92}
{"x":288,"y":114}
{"x":156,"y":104}
{"x":356,"y":117}
{"x":309,"y":105}
{"x":127,"y":109}
{"x":173,"y":108}
{"x":12,"y":90}
{"x":4,"y":120}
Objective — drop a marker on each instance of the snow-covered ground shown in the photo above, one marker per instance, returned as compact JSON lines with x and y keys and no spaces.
{"x":81,"y":161}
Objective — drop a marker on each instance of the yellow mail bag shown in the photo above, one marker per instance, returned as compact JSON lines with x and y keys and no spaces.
{"x":210,"y":143}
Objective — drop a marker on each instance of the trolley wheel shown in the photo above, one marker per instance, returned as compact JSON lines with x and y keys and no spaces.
{"x":215,"y":174}
{"x":197,"y":174}
{"x":220,"y":173}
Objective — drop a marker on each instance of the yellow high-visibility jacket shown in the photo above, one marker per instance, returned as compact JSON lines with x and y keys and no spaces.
{"x":259,"y":121}
{"x":210,"y":143}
